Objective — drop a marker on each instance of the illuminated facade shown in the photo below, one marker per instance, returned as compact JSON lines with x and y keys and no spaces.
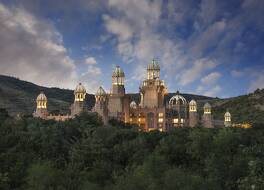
{"x":76,"y":108}
{"x":152,"y":112}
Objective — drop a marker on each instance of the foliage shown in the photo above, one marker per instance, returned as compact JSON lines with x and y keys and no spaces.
{"x":82,"y":153}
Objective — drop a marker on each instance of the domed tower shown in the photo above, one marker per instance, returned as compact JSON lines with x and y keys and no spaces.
{"x":227,"y":119}
{"x":207,"y":116}
{"x":101,"y":104}
{"x":152,"y":89}
{"x":193,"y":117}
{"x":117,"y":103}
{"x":41,"y":110}
{"x":118,"y":79}
{"x":79,"y":100}
{"x":178,"y":110}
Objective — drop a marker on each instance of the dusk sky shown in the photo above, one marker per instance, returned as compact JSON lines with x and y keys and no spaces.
{"x":208,"y":47}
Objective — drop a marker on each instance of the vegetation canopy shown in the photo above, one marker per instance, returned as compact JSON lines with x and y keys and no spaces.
{"x":82,"y":154}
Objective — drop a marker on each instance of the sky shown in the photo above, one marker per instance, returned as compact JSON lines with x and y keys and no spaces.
{"x":206,"y":47}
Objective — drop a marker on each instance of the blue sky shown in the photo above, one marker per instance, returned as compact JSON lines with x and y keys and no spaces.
{"x":209,"y":47}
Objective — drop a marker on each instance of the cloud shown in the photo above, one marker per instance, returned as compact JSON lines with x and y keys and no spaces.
{"x":257,"y":81}
{"x":196,"y":70}
{"x":90,"y":61}
{"x":237,"y":73}
{"x":213,"y":91}
{"x":32,"y":49}
{"x":211,"y":78}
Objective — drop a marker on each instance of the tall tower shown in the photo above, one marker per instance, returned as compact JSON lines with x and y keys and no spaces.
{"x":41,"y":110}
{"x":116,"y":97}
{"x":207,"y":116}
{"x":118,"y":79}
{"x":79,"y":96}
{"x":227,"y":118}
{"x":193,"y":113}
{"x":101,"y":104}
{"x":152,"y":89}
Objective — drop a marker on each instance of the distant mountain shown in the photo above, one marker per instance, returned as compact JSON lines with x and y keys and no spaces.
{"x":18,"y":97}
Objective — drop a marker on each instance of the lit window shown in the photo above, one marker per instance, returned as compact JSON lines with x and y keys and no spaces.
{"x":160,"y":114}
{"x":160,"y":120}
{"x":175,"y":120}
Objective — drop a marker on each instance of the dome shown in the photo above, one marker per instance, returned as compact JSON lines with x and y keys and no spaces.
{"x":80,"y":89}
{"x":42,"y":97}
{"x":100,"y":92}
{"x":154,"y":65}
{"x":133,"y":105}
{"x":177,"y":99}
{"x":118,"y":72}
{"x":227,"y":114}
{"x":192,"y":103}
{"x":207,"y":105}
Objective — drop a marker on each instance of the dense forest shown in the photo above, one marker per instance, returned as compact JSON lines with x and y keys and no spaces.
{"x":82,"y":154}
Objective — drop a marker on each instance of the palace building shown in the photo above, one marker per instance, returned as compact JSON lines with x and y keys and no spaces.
{"x":152,"y":112}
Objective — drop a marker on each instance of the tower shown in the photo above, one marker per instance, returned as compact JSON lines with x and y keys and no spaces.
{"x":207,"y":116}
{"x":227,"y":119}
{"x":118,"y":79}
{"x":79,"y":96}
{"x":152,"y":89}
{"x":117,"y":95}
{"x":193,"y":113}
{"x":101,"y":104}
{"x":41,"y":110}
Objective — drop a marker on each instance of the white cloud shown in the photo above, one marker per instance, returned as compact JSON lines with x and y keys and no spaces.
{"x":213,"y":91}
{"x":32,"y":49}
{"x":90,"y":61}
{"x":211,"y":78}
{"x":196,"y":70}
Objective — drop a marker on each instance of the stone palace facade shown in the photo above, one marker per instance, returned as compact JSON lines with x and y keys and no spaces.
{"x":151,"y":113}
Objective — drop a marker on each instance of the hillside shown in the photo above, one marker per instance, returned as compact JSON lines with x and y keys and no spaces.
{"x":18,"y":97}
{"x":246,"y":108}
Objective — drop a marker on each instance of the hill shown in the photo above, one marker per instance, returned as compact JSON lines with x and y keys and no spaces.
{"x":18,"y":97}
{"x":246,"y":108}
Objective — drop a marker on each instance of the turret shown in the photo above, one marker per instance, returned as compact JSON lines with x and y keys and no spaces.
{"x":207,"y":116}
{"x":79,"y":93}
{"x":227,"y":119}
{"x":153,"y":70}
{"x":79,"y":96}
{"x":118,"y":79}
{"x":152,"y":89}
{"x":193,"y":117}
{"x":41,"y":110}
{"x":101,"y":104}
